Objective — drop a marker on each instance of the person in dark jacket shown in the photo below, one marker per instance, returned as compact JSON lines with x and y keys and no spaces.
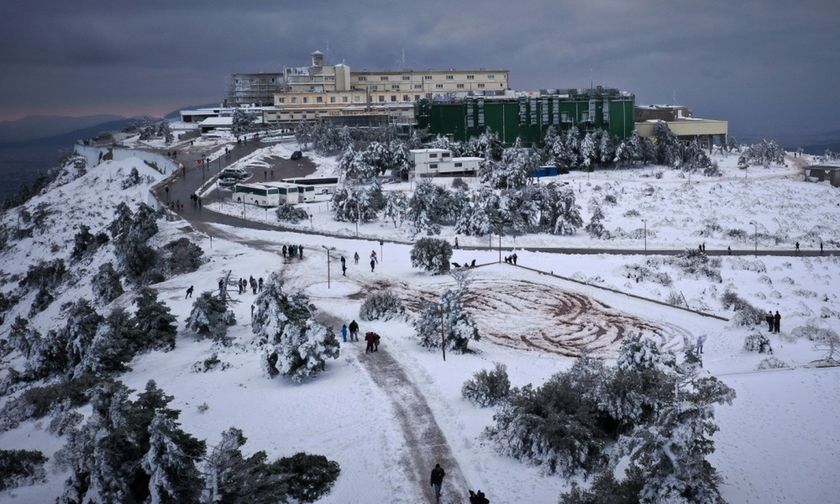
{"x":769,"y":318}
{"x":284,"y":252}
{"x":437,"y":480}
{"x":354,"y":331}
{"x":369,"y":338}
{"x":375,"y":342}
{"x":777,"y":319}
{"x":189,"y":292}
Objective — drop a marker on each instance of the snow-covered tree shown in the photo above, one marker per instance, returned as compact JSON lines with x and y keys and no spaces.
{"x":396,"y":205}
{"x":302,"y":351}
{"x":357,"y":165}
{"x":481,"y":216}
{"x":487,"y":388}
{"x":113,"y":346}
{"x":85,"y":242}
{"x":381,"y":305}
{"x":211,"y":317}
{"x":287,"y":212}
{"x":304,"y":133}
{"x":596,"y":228}
{"x":431,"y":254}
{"x":352,"y":202}
{"x":565,"y":212}
{"x":458,"y":327}
{"x":667,"y":145}
{"x":106,"y":284}
{"x":513,"y":169}
{"x":170,"y":462}
{"x":156,"y":325}
{"x":274,"y":308}
{"x":587,"y":151}
{"x":429,"y":207}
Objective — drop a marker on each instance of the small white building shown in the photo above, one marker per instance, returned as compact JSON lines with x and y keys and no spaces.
{"x":440,"y":162}
{"x":216,"y":123}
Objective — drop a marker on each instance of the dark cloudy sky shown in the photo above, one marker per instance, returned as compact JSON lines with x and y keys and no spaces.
{"x":768,"y":66}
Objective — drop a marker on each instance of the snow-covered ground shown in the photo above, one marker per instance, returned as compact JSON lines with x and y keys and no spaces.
{"x":778,"y":441}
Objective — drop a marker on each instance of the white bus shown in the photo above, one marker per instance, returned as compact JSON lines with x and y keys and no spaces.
{"x":289,"y":193}
{"x":256,"y":194}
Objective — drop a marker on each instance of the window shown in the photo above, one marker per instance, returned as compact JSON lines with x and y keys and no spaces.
{"x":343,"y":99}
{"x":491,"y":76}
{"x":427,"y":77}
{"x":458,"y":165}
{"x":319,"y":99}
{"x":393,"y":98}
{"x":433,"y":155}
{"x":433,"y":166}
{"x":481,"y":85}
{"x":417,"y":97}
{"x":460,"y":86}
{"x":445,"y":154}
{"x":357,"y":99}
{"x":405,"y":98}
{"x":383,"y":77}
{"x":418,"y":86}
{"x":294,"y":99}
{"x":332,"y":99}
{"x":450,"y":77}
{"x":362,"y":78}
{"x":439,"y":86}
{"x":305,"y":99}
{"x":281,"y":99}
{"x":470,"y":77}
{"x":395,"y":87}
{"x":406,"y":77}
{"x":381,"y":98}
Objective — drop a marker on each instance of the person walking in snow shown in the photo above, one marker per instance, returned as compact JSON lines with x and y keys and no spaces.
{"x":369,"y":341}
{"x":260,"y":284}
{"x":300,"y":251}
{"x":514,"y":258}
{"x":372,"y":265}
{"x":189,"y":292}
{"x":344,"y":333}
{"x":354,"y":331}
{"x":700,"y":340}
{"x":373,"y":256}
{"x":356,"y":257}
{"x":376,"y":339}
{"x":284,"y":251}
{"x":777,"y":319}
{"x":797,"y":247}
{"x":769,"y":319}
{"x":343,"y":266}
{"x":437,"y":480}
{"x":456,"y":242}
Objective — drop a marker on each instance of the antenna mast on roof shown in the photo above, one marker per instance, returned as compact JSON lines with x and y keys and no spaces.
{"x":327,"y":58}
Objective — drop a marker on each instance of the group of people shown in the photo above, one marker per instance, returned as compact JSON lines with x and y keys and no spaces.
{"x":352,"y":331}
{"x":196,"y":200}
{"x":176,"y":205}
{"x":290,"y":251}
{"x":256,"y":285}
{"x":436,"y":481}
{"x":773,"y":321}
{"x":511,"y":259}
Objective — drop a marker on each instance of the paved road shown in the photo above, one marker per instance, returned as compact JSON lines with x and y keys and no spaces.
{"x":193,"y":177}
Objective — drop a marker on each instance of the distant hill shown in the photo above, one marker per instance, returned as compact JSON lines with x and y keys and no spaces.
{"x":32,"y":127}
{"x":811,"y":142}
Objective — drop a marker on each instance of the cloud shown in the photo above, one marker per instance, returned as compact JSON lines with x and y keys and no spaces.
{"x":759,"y":64}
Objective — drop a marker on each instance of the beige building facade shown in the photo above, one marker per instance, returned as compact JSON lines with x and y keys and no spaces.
{"x":322,"y":90}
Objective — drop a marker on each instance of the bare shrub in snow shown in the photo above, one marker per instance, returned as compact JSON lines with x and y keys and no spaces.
{"x":381,"y":305}
{"x":772,"y":363}
{"x":487,"y":388}
{"x":209,"y":364}
{"x":695,"y":263}
{"x":674,"y":298}
{"x":86,"y":243}
{"x":757,"y":342}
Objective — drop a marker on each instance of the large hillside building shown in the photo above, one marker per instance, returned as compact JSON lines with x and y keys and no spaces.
{"x":321,"y":90}
{"x":682,"y":123}
{"x":529,"y":115}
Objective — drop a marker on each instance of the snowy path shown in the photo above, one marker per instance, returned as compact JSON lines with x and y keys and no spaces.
{"x":425,"y":443}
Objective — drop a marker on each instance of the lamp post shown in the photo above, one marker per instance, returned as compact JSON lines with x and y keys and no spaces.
{"x":644,"y":221}
{"x":328,"y":263}
{"x":755,"y":237}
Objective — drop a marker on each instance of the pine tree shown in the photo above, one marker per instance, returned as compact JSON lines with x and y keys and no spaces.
{"x":431,"y":254}
{"x":156,"y":325}
{"x":106,"y":284}
{"x":113,"y":345}
{"x":428,"y":208}
{"x":458,"y":327}
{"x":396,"y":205}
{"x":303,"y":351}
{"x":595,"y":228}
{"x":566,"y":219}
{"x":170,"y":463}
{"x":210,"y":317}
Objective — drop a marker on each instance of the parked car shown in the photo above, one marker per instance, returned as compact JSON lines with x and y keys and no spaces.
{"x":296,"y":155}
{"x":228,"y":181}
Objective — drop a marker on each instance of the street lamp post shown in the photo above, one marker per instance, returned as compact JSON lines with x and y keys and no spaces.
{"x":328,"y":263}
{"x":644,"y":221}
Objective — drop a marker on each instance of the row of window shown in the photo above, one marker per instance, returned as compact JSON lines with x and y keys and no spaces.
{"x":386,"y":78}
{"x":346,"y":99}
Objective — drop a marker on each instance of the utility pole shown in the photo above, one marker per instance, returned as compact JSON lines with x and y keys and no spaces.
{"x":500,"y":247}
{"x":644,"y":221}
{"x":327,"y":249}
{"x":442,"y":333}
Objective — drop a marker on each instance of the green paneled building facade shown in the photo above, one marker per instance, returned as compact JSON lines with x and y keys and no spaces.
{"x":528,"y":117}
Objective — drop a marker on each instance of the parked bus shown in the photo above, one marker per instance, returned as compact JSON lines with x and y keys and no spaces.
{"x":256,"y":194}
{"x":289,"y":193}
